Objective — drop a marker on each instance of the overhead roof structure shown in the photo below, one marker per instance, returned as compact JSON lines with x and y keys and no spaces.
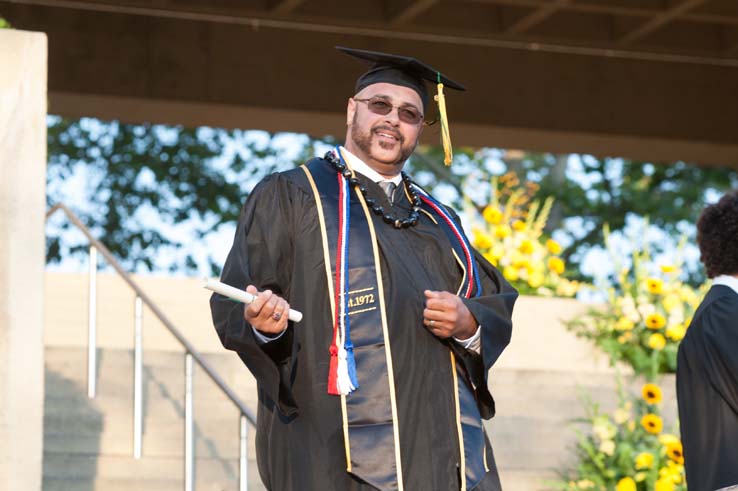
{"x":648,"y":79}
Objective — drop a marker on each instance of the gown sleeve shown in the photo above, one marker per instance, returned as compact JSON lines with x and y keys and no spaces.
{"x":493,"y":311}
{"x":261,"y":255}
{"x":720,"y":328}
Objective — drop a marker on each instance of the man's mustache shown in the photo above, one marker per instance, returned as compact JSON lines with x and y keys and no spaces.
{"x":390,"y":131}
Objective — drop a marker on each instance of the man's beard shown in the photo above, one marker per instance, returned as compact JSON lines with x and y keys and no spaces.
{"x":363,"y":140}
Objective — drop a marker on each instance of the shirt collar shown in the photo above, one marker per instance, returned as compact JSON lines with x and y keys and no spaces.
{"x":361,"y":167}
{"x":726,"y":280}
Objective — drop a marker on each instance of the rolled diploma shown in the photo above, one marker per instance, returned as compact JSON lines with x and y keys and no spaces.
{"x":240,"y":295}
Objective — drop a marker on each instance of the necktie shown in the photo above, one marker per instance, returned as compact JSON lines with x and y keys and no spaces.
{"x":388,"y":187}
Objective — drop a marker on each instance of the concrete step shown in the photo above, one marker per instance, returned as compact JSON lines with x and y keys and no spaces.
{"x":161,"y":369}
{"x":125,"y":474}
{"x":515,"y":480}
{"x":88,"y":443}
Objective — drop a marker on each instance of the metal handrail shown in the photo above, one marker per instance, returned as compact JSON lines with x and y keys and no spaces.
{"x":191,"y":354}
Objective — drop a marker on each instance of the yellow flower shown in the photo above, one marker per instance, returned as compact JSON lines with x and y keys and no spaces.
{"x":625,"y":337}
{"x":510,"y":273}
{"x":656,"y":341}
{"x":585,"y":484}
{"x":553,"y":246}
{"x":655,"y":321}
{"x":644,"y":460}
{"x":664,"y":484}
{"x":556,"y":264}
{"x":652,"y":423}
{"x":498,"y":250}
{"x":621,"y":415}
{"x":520,"y":262}
{"x":641,"y":476}
{"x":481,"y":239}
{"x":676,"y":332}
{"x":626,"y":484}
{"x":671,"y":301}
{"x":655,"y":285}
{"x":624,"y":324}
{"x":675,"y":453}
{"x":489,"y":257}
{"x":667,"y":439}
{"x":502,"y":231}
{"x":651,"y":393}
{"x":607,"y":447}
{"x":526,"y":246}
{"x":603,"y":428}
{"x":673,"y":472}
{"x":536,"y":279}
{"x":492,"y":215}
{"x":567,"y":288}
{"x":668,"y":268}
{"x":518,"y":225}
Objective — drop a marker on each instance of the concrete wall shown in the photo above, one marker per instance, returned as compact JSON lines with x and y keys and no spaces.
{"x":22,"y":243}
{"x":539,"y":342}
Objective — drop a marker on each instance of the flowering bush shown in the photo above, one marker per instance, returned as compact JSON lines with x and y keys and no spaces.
{"x":645,"y":318}
{"x":510,"y":236}
{"x":626,"y":450}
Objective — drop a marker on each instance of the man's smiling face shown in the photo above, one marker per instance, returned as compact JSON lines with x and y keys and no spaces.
{"x":384,"y":142}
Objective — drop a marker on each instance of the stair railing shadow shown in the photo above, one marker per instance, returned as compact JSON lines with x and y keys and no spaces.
{"x":61,"y":396}
{"x":179,"y":410}
{"x":192,"y":357}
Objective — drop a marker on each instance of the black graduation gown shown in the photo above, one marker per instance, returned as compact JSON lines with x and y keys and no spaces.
{"x":707,"y":392}
{"x":299,"y":438}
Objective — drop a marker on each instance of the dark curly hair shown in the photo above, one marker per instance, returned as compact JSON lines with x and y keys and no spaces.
{"x":717,"y":236}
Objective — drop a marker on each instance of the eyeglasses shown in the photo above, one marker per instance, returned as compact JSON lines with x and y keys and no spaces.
{"x":407,"y":114}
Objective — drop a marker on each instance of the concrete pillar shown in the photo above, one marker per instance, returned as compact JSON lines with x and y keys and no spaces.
{"x":22,"y":246}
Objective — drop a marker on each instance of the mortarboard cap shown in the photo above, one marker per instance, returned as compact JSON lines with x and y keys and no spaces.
{"x":407,"y":72}
{"x":399,"y":70}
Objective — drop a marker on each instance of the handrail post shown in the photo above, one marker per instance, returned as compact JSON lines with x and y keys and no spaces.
{"x":92,"y":325}
{"x":138,"y":378}
{"x":243,"y":474}
{"x":189,"y":436}
{"x":192,"y":356}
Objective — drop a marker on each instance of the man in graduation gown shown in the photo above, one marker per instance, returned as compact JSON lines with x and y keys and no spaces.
{"x":707,"y":364}
{"x":426,"y":327}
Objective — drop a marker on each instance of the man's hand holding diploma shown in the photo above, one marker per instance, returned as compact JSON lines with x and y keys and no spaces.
{"x":267,"y":313}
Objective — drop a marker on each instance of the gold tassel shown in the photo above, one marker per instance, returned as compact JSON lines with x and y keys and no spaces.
{"x":445,"y":133}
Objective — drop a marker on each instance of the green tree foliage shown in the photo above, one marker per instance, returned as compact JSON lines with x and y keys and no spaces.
{"x":591,"y":192}
{"x":4,"y":24}
{"x":140,"y":180}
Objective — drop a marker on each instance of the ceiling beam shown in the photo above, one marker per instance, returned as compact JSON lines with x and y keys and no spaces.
{"x":411,"y":11}
{"x":712,"y":19}
{"x":609,"y":9}
{"x":536,"y":17}
{"x":460,"y":37}
{"x":659,"y":20}
{"x":284,"y":7}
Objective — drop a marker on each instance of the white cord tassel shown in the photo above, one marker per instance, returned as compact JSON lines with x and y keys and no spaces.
{"x":344,"y":380}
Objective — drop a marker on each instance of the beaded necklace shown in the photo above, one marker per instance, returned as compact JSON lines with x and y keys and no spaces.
{"x":412,"y":218}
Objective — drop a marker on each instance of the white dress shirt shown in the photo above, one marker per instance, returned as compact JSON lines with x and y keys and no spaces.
{"x":726,"y":280}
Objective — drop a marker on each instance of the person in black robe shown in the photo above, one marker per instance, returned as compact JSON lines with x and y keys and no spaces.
{"x":707,"y":363}
{"x":277,"y":253}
